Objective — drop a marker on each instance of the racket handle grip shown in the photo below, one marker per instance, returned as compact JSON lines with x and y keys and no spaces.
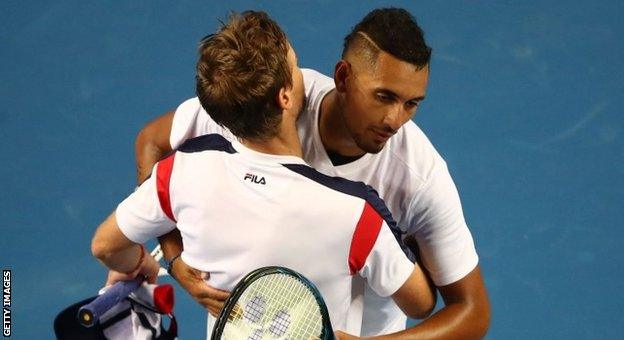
{"x":89,"y":314}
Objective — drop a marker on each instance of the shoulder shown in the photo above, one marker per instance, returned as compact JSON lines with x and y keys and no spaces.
{"x":191,"y":120}
{"x":195,"y":158}
{"x":313,"y":76}
{"x":412,"y":150}
{"x":374,"y":212}
{"x":347,"y":187}
{"x":316,"y":86}
{"x":191,"y":104}
{"x":315,"y":82}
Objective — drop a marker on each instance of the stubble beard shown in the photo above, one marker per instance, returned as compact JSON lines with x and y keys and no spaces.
{"x":367,"y":146}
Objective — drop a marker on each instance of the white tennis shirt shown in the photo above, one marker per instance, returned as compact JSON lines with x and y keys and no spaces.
{"x":238,"y":210}
{"x":410,"y":176}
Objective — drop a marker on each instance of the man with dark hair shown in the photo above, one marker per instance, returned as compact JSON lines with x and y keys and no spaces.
{"x":212,"y":189}
{"x":358,"y":126}
{"x":377,"y":32}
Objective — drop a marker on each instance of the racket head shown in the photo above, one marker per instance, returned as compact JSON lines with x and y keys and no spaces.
{"x":274,"y":303}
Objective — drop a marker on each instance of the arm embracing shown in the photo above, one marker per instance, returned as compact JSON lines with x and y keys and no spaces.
{"x":152,"y":144}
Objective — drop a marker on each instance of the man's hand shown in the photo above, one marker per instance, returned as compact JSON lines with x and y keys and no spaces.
{"x":114,"y":277}
{"x":193,"y":281}
{"x":344,"y":336}
{"x":149,"y":268}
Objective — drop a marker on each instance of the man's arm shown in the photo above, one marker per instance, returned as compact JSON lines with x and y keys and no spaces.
{"x":416,"y":297}
{"x":387,"y":269}
{"x":466,"y":314}
{"x":444,"y":244}
{"x":466,"y":311}
{"x":120,"y":254}
{"x":153,"y":144}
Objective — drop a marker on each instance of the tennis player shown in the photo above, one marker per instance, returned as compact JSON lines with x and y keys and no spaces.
{"x":358,"y":126}
{"x":244,"y":204}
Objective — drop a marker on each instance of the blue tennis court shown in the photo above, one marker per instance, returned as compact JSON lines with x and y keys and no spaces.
{"x":522,"y":103}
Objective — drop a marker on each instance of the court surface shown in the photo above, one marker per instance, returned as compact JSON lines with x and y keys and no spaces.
{"x":523,"y":103}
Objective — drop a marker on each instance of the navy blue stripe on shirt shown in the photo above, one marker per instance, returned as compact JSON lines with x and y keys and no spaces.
{"x":211,"y":141}
{"x":357,"y":189}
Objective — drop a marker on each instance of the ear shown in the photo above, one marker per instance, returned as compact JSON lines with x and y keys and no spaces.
{"x":285,"y":98}
{"x":342,"y":71}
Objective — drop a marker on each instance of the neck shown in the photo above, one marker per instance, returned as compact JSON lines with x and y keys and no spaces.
{"x":333,"y":130}
{"x":285,"y":143}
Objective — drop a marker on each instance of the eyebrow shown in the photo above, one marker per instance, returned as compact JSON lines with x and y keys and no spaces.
{"x":391,"y":93}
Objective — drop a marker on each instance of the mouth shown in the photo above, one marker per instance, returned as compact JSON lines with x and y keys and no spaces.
{"x":381,"y":136}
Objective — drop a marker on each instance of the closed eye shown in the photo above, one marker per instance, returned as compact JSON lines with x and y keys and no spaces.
{"x":412,"y":103}
{"x":384,"y":97}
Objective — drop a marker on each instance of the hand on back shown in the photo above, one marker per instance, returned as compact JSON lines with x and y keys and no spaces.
{"x":194,"y":282}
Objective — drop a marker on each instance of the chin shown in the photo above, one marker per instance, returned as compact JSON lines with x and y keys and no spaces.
{"x":371,"y":147}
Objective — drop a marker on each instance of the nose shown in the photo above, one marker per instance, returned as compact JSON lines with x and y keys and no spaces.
{"x":394,"y":118}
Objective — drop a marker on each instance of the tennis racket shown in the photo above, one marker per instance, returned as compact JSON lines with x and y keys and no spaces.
{"x":89,"y":314}
{"x":274,"y":303}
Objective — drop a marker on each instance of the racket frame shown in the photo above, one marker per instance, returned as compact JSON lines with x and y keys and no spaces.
{"x":241,"y":286}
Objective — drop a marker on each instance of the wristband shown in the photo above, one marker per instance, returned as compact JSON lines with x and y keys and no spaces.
{"x":138,"y":265}
{"x":170,"y":265}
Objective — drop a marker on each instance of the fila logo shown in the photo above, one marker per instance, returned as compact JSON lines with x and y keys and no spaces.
{"x":255,"y":179}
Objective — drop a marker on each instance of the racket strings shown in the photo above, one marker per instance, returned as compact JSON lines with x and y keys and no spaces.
{"x":254,"y":309}
{"x":280,"y":323}
{"x":276,"y":306}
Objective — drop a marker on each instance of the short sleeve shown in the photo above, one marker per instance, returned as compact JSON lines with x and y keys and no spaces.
{"x":140,"y":216}
{"x":446,"y":246}
{"x":386,"y":268}
{"x":190,"y":120}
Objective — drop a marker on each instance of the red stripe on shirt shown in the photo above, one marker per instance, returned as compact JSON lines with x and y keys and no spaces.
{"x":364,"y":237}
{"x":163,"y":177}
